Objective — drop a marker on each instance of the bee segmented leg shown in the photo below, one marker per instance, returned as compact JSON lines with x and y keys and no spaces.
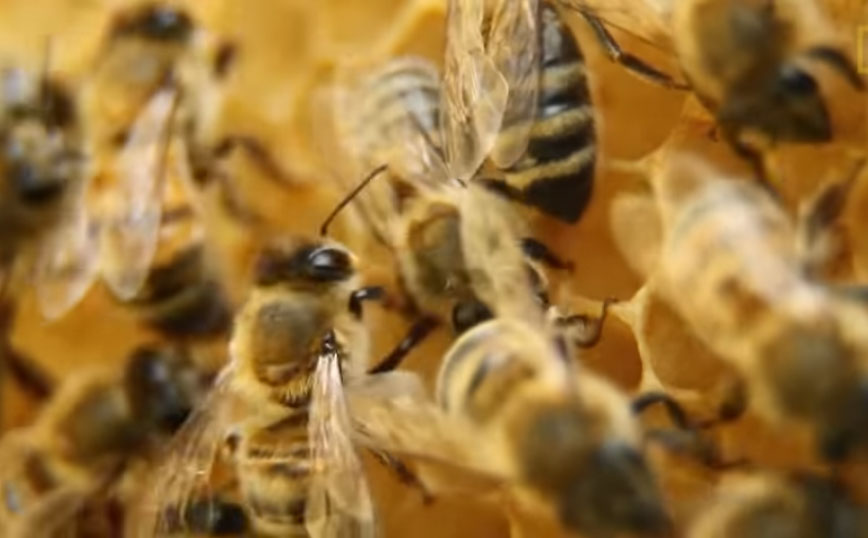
{"x":24,"y":369}
{"x":585,"y":331}
{"x":417,"y":333}
{"x":403,"y":473}
{"x":368,"y":293}
{"x":257,"y":151}
{"x":539,"y":251}
{"x":633,"y":64}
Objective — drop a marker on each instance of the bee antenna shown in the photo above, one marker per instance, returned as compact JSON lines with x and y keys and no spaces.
{"x":44,"y":90}
{"x":323,"y":230}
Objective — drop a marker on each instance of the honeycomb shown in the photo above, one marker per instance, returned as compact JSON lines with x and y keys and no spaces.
{"x":289,"y":51}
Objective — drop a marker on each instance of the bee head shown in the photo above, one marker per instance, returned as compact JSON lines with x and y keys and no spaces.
{"x":846,"y":425}
{"x":599,"y":488}
{"x":159,"y":387}
{"x":155,"y":22}
{"x":305,"y":263}
{"x":615,"y":493}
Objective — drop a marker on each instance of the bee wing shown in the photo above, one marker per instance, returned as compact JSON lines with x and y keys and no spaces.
{"x":338,"y":497}
{"x":133,"y":206}
{"x":68,"y":259}
{"x":513,"y":45}
{"x":391,"y":411}
{"x":474,"y":92}
{"x":184,"y":474}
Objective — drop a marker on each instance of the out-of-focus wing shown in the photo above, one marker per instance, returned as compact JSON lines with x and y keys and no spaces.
{"x":474,"y":94}
{"x":68,"y":258}
{"x":513,"y":45}
{"x":391,"y":412}
{"x":183,"y":477}
{"x":132,"y":209}
{"x":338,"y":498}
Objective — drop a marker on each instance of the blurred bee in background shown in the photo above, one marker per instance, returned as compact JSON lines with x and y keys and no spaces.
{"x":76,"y":453}
{"x":44,"y":174}
{"x":512,"y":411}
{"x":278,"y":411}
{"x":767,"y":504}
{"x":729,"y":264}
{"x":749,"y":62}
{"x":151,"y":106}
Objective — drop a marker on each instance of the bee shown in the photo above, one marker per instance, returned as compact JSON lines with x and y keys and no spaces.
{"x":152,"y":104}
{"x":728,"y":263}
{"x":44,"y":174}
{"x":86,"y":437}
{"x":771,"y":504}
{"x":748,"y":62}
{"x":433,"y":139}
{"x":277,"y":412}
{"x":559,"y":440}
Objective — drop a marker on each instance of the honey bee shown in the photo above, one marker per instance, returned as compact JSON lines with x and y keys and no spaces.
{"x":560,"y":440}
{"x":771,"y":505}
{"x":729,"y":265}
{"x":85,"y":438}
{"x":44,"y":174}
{"x":433,"y":139}
{"x":152,"y":105}
{"x":748,"y":62}
{"x":278,"y":410}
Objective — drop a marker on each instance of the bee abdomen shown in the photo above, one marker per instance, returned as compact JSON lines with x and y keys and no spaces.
{"x":180,"y":299}
{"x":556,"y":173}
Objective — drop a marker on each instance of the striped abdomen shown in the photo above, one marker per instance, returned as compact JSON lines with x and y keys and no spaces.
{"x":384,"y":120}
{"x":274,"y":470}
{"x":556,"y":173}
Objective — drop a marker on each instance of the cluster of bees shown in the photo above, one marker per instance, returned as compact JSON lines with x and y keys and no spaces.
{"x":445,"y":171}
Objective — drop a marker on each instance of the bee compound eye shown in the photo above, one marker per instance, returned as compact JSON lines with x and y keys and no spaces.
{"x":796,"y":81}
{"x":329,"y":264}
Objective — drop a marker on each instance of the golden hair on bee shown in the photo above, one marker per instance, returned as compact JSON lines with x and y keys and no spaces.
{"x":277,"y":413}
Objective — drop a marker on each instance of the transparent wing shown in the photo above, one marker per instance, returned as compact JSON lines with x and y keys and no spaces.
{"x":513,"y":45}
{"x":132,"y":207}
{"x":184,"y":474}
{"x":392,"y":412}
{"x":338,"y":495}
{"x":474,"y":93}
{"x":68,"y":258}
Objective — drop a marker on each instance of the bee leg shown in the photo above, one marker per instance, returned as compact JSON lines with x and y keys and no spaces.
{"x":257,"y":151}
{"x":538,"y":251}
{"x":24,"y":369}
{"x":403,"y":473}
{"x":418,"y":332}
{"x":585,"y":331}
{"x":232,"y":201}
{"x":676,"y":413}
{"x":368,"y":293}
{"x":685,"y":437}
{"x":819,"y":241}
{"x":633,"y":64}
